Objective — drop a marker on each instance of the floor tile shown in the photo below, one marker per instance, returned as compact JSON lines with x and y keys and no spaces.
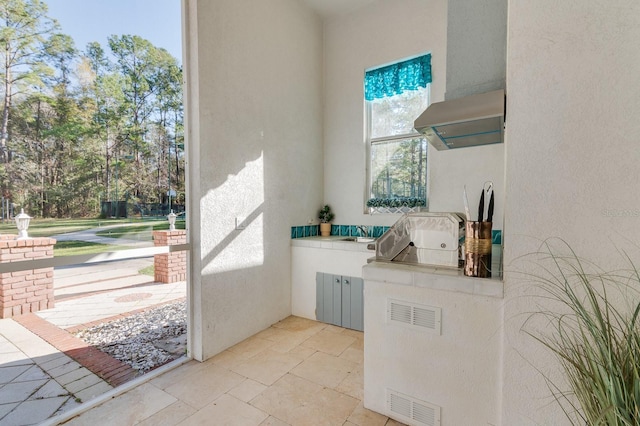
{"x":7,"y":374}
{"x":329,"y":342}
{"x":268,"y":366}
{"x":199,"y":390}
{"x":54,"y":362}
{"x":73,"y":375}
{"x":33,"y":412}
{"x":63,"y":369}
{"x":170,"y":416}
{"x":352,"y":354}
{"x":293,"y":323}
{"x":6,"y":409}
{"x":298,"y":401}
{"x":179,"y":373}
{"x":228,"y":359}
{"x":353,"y":384}
{"x":11,"y":359}
{"x":363,"y":417}
{"x":83,"y":383}
{"x":33,"y":373}
{"x":127,"y":409}
{"x":227,"y":411}
{"x":325,"y":370}
{"x":93,"y":391}
{"x":272,"y":421}
{"x":51,"y":389}
{"x":17,"y":392}
{"x":251,"y":346}
{"x":247,"y":390}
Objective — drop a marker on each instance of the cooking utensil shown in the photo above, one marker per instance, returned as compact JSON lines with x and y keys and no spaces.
{"x":481,"y":207}
{"x":490,"y":211}
{"x":467,"y":212}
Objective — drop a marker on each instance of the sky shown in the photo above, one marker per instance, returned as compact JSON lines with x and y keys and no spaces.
{"x":94,"y":20}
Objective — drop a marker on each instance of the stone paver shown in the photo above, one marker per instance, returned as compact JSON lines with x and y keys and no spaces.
{"x":29,"y":388}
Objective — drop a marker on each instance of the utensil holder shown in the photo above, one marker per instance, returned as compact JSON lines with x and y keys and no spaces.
{"x":477,"y":249}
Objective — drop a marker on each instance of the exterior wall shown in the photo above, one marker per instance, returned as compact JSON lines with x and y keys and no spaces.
{"x":255,"y":96}
{"x":27,"y":291}
{"x":572,"y":162}
{"x":170,"y":267}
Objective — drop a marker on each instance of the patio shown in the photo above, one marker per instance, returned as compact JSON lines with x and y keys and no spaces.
{"x":296,"y":372}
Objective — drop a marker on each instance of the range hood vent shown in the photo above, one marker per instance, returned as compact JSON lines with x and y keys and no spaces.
{"x":464,"y":122}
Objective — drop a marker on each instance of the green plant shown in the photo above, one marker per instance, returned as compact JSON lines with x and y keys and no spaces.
{"x":594,"y":334}
{"x":325,"y":215}
{"x":397,"y":202}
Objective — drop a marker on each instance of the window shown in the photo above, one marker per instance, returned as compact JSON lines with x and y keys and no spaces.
{"x":395,"y":96}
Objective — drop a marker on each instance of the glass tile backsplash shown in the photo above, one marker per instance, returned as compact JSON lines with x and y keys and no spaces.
{"x":353,"y":231}
{"x":338,"y":230}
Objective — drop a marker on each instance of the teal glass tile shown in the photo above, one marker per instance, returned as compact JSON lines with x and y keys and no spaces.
{"x":335,"y":229}
{"x":299,"y":231}
{"x":293,"y":232}
{"x":344,"y":230}
{"x":377,"y":231}
{"x":353,"y":231}
{"x":307,"y":231}
{"x":385,"y":229}
{"x":314,"y":230}
{"x":496,"y":236}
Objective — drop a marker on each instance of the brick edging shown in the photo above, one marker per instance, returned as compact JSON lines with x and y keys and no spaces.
{"x":108,"y":368}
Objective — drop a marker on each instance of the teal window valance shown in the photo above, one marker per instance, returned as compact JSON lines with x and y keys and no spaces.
{"x":396,"y":78}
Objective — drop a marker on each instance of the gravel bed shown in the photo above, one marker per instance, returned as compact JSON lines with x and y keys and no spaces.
{"x":145,"y":340}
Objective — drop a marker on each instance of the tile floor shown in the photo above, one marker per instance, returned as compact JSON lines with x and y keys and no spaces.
{"x":36,"y":380}
{"x":296,"y":372}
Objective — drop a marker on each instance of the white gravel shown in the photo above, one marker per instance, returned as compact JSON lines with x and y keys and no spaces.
{"x":145,"y":340}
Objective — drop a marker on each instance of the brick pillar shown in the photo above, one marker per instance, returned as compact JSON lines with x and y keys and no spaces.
{"x":171,"y":267}
{"x":26,"y":291}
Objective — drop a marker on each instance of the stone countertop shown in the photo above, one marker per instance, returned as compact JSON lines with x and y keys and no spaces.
{"x":334,"y":242}
{"x":436,"y":278}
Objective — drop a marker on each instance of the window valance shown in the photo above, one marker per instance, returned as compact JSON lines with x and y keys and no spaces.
{"x":396,"y":78}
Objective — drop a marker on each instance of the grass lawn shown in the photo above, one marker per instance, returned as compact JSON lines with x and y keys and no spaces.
{"x":139,"y":232}
{"x":71,"y":248}
{"x":52,"y":227}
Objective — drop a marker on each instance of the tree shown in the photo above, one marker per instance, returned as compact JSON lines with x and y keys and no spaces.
{"x":23,"y":33}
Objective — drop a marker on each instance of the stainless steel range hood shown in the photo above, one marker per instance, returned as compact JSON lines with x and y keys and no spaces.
{"x":470,"y":121}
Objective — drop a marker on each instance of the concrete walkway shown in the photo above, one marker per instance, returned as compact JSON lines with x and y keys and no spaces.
{"x":90,"y":235}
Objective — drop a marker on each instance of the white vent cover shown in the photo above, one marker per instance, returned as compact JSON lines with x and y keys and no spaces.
{"x":414,"y":315}
{"x":412,"y":411}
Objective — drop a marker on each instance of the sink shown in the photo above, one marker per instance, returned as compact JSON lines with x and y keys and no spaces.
{"x":359,"y":239}
{"x":365,"y":239}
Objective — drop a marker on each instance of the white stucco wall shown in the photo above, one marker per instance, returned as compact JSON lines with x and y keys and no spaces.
{"x":387,"y":31}
{"x":257,"y":112}
{"x":572,"y":160}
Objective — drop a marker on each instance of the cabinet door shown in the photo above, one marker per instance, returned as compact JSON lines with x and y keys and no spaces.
{"x":336,"y":302}
{"x":320,"y":296}
{"x":356,"y":303}
{"x":346,"y":302}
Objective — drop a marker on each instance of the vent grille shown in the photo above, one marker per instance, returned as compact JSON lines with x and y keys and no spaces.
{"x":412,"y":411}
{"x":414,"y":315}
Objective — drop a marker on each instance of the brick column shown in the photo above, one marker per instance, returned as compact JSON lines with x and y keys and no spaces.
{"x":171,"y":267}
{"x":26,"y":291}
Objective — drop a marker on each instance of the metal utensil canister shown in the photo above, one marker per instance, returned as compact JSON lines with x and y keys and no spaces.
{"x":477,"y":249}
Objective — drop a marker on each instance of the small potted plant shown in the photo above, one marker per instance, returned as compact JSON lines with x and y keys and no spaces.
{"x":325,"y":216}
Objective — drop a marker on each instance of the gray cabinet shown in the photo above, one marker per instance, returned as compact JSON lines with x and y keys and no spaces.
{"x":339,"y":300}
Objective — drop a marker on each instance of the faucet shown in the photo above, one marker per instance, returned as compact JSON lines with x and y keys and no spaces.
{"x":363,"y":230}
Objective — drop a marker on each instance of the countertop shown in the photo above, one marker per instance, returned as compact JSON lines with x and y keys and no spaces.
{"x":333,"y":242}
